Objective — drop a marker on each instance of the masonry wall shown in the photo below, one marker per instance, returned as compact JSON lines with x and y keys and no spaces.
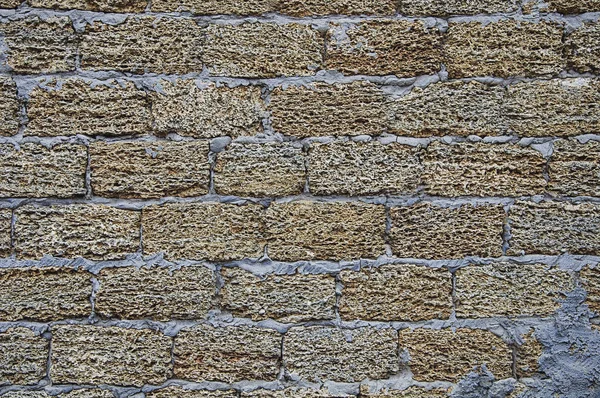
{"x":299,"y":198}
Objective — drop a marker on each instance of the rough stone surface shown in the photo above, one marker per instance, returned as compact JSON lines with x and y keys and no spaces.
{"x":574,"y":7}
{"x":306,"y":230}
{"x":554,"y":228}
{"x":528,"y":355}
{"x":259,"y":170}
{"x":410,"y":392}
{"x":159,"y":294}
{"x":204,"y":231}
{"x":44,"y":294}
{"x":142,"y":170}
{"x":507,"y":289}
{"x":428,"y":231}
{"x":23,"y":356}
{"x":401,"y":48}
{"x":184,"y":108}
{"x":325,"y":353}
{"x":293,"y":392}
{"x":449,"y":355}
{"x":40,"y":46}
{"x":109,"y":355}
{"x":178,"y":392}
{"x":352,"y":168}
{"x":92,"y":5}
{"x":286,"y":298}
{"x":9,"y":3}
{"x":5,"y":233}
{"x":87,"y":393}
{"x":574,"y":168}
{"x":25,"y":394}
{"x":590,"y":280}
{"x":396,"y":292}
{"x":72,"y":107}
{"x":242,"y":353}
{"x":456,"y":7}
{"x":95,"y":232}
{"x":480,"y":169}
{"x":34,"y":171}
{"x":9,"y":107}
{"x":328,"y":110}
{"x":504,"y":48}
{"x":582,"y":48}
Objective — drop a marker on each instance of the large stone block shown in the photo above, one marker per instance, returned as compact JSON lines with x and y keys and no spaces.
{"x":179,"y":392}
{"x":574,"y":168}
{"x":573,"y":7}
{"x":23,"y":356}
{"x":5,"y":232}
{"x":92,"y":5}
{"x":582,"y":48}
{"x":293,"y":392}
{"x":456,"y":7}
{"x":9,"y":107}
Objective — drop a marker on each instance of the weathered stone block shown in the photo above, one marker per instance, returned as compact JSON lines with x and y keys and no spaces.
{"x":293,"y":392}
{"x":87,"y":393}
{"x":582,"y":48}
{"x":410,"y":392}
{"x":456,"y":7}
{"x":92,"y":5}
{"x":23,"y":356}
{"x":9,"y":107}
{"x":10,"y":3}
{"x":590,"y":280}
{"x":25,"y":394}
{"x":573,"y":7}
{"x":528,"y":355}
{"x":574,"y":168}
{"x":5,"y":232}
{"x":178,"y":392}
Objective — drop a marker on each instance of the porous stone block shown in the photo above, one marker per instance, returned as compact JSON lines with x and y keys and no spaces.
{"x":9,"y":107}
{"x":242,"y":353}
{"x":590,"y":281}
{"x":258,"y":170}
{"x":87,"y":393}
{"x":428,"y":231}
{"x":23,"y":356}
{"x":95,"y":232}
{"x":109,"y":355}
{"x":528,"y":355}
{"x":35,"y":171}
{"x":92,"y":5}
{"x":396,"y":292}
{"x":179,"y":392}
{"x":293,"y":392}
{"x":574,"y":168}
{"x":306,"y":230}
{"x":285,"y":298}
{"x":157,"y":293}
{"x":25,"y":394}
{"x":410,"y":392}
{"x":456,"y":7}
{"x":573,"y":7}
{"x":356,"y":168}
{"x":9,"y":3}
{"x":582,"y":48}
{"x":319,"y":353}
{"x":5,"y":232}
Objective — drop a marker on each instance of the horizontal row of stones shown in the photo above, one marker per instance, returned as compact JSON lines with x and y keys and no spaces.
{"x":300,"y":230}
{"x":260,"y":50}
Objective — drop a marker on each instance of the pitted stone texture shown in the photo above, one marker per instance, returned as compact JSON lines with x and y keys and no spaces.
{"x":504,"y":48}
{"x":141,"y":170}
{"x":204,"y":231}
{"x":87,"y":393}
{"x":590,"y":280}
{"x":40,"y":46}
{"x":10,"y":3}
{"x":258,"y":170}
{"x":178,"y":392}
{"x":450,"y":355}
{"x":9,"y":107}
{"x":428,"y":231}
{"x":207,"y":112}
{"x":319,"y":353}
{"x":528,"y":355}
{"x":162,"y":45}
{"x":95,"y":232}
{"x":92,"y":5}
{"x":454,"y":108}
{"x":157,"y":293}
{"x":480,"y":169}
{"x":574,"y":7}
{"x":410,"y":392}
{"x":44,"y":294}
{"x":23,"y":357}
{"x":321,"y":109}
{"x":554,"y":228}
{"x":34,"y":171}
{"x":582,"y":48}
{"x":293,"y":392}
{"x":574,"y":168}
{"x":227,"y":354}
{"x":72,"y":107}
{"x":396,"y":292}
{"x":285,"y":298}
{"x":353,"y":168}
{"x":109,"y":355}
{"x":261,"y":50}
{"x":306,"y":230}
{"x":507,"y":289}
{"x":5,"y":232}
{"x":26,"y":394}
{"x":380,"y":47}
{"x":456,"y":7}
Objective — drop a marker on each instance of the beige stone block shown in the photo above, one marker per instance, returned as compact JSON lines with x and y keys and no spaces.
{"x":574,"y":168}
{"x":92,"y":5}
{"x":456,"y":7}
{"x":10,"y":109}
{"x":582,"y":48}
{"x":23,"y":356}
{"x":5,"y":232}
{"x":179,"y":392}
{"x":590,"y":281}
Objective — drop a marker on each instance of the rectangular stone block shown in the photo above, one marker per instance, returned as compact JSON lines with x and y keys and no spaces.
{"x":285,"y":298}
{"x":445,"y":8}
{"x":92,"y":5}
{"x":10,"y":109}
{"x":590,"y":281}
{"x":428,"y":231}
{"x":9,"y":3}
{"x":109,"y":355}
{"x":319,"y":353}
{"x":204,"y":231}
{"x":557,"y":107}
{"x":5,"y":232}
{"x":480,"y":169}
{"x":507,"y":289}
{"x":574,"y":168}
{"x":155,"y":293}
{"x":306,"y":230}
{"x":242,"y":353}
{"x":384,"y":47}
{"x":356,"y":168}
{"x":44,"y":294}
{"x":179,"y":392}
{"x":258,"y":170}
{"x":34,"y":45}
{"x":328,"y":110}
{"x":504,"y":48}
{"x":141,"y":170}
{"x":207,"y":112}
{"x":528,"y":355}
{"x":410,"y":392}
{"x":87,"y":393}
{"x":95,"y":232}
{"x":582,"y":48}
{"x":293,"y":392}
{"x":454,"y":108}
{"x":72,"y":107}
{"x":573,"y":7}
{"x":446,"y":355}
{"x":23,"y":356}
{"x":554,"y":228}
{"x":396,"y":292}
{"x":34,"y":171}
